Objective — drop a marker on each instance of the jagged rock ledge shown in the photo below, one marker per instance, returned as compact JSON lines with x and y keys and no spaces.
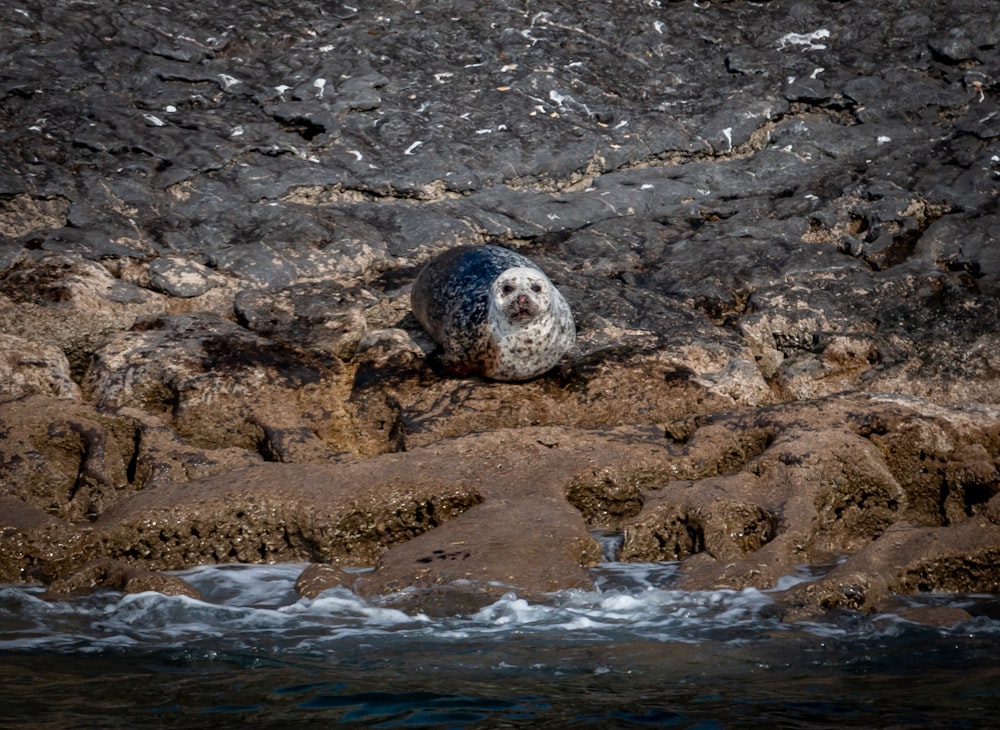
{"x":777,"y":234}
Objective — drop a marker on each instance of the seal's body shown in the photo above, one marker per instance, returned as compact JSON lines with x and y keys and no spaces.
{"x":494,"y":313}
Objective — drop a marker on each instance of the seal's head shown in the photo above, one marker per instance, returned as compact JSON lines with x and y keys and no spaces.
{"x":520,"y":295}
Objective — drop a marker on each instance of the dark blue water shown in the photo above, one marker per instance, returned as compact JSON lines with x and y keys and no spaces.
{"x":631,"y":654}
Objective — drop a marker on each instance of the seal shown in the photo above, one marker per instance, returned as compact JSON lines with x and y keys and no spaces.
{"x":493,"y":312}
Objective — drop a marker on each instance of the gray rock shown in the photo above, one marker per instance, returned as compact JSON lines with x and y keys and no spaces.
{"x":323,"y":316}
{"x":183,"y":278}
{"x":954,"y":46}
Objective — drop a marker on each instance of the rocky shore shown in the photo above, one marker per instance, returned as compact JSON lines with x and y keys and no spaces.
{"x":776,"y":225}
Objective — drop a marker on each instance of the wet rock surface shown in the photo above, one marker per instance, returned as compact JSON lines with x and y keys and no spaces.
{"x":775,"y":226}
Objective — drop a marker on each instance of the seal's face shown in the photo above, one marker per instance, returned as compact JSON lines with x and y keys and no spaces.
{"x":521,"y":295}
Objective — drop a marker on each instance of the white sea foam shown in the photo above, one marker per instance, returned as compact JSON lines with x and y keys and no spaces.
{"x":255,"y":608}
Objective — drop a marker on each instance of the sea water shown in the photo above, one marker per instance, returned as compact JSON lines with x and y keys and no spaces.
{"x":632,"y":653}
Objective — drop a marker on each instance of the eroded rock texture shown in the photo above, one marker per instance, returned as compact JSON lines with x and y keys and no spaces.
{"x":776,"y":227}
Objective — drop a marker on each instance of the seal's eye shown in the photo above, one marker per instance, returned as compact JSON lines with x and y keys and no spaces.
{"x":507,"y":288}
{"x":537,"y":288}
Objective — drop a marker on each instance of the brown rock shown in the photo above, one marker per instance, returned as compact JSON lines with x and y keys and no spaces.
{"x":525,"y":537}
{"x":162,"y":457}
{"x":63,"y":456}
{"x":638,"y":359}
{"x":218,"y":384}
{"x":530,"y":545}
{"x":590,"y":392}
{"x":922,"y":333}
{"x":344,"y":513}
{"x":363,"y":512}
{"x":319,"y":316}
{"x":21,"y":214}
{"x":71,"y":303}
{"x":37,"y":547}
{"x":725,"y":528}
{"x":742,"y":498}
{"x":119,"y":576}
{"x":796,"y":483}
{"x":29,"y":367}
{"x":907,"y":558}
{"x":319,"y":577}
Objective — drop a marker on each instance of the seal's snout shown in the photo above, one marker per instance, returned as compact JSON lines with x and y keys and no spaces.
{"x":521,"y":308}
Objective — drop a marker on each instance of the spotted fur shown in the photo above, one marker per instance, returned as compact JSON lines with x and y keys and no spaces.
{"x":494,"y":313}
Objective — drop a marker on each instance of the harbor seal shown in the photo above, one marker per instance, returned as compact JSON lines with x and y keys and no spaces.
{"x":494,"y":313}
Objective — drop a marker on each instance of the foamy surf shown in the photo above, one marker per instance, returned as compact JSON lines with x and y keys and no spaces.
{"x":254,"y":608}
{"x":632,"y":652}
